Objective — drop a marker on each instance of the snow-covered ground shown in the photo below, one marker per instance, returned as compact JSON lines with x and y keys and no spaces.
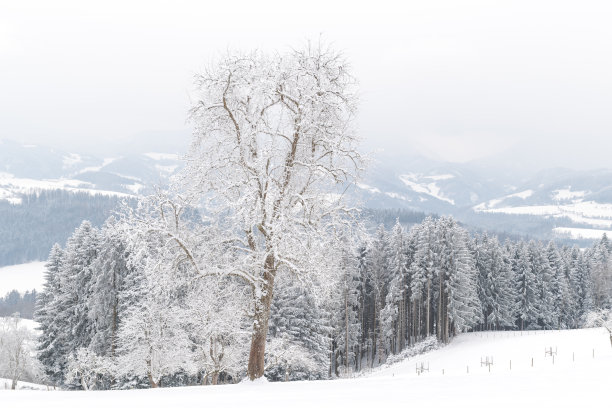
{"x":5,"y":384}
{"x":12,"y":187}
{"x":580,"y":376}
{"x":579,"y":233}
{"x":30,"y":324}
{"x":588,"y":212}
{"x":22,"y":277}
{"x":414,"y":181}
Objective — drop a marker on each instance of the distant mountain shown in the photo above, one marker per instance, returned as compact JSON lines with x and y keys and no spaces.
{"x":27,"y":168}
{"x":555,"y":203}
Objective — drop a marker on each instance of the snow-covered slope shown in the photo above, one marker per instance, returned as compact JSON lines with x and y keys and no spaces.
{"x":577,"y":378}
{"x":565,"y":203}
{"x":5,"y":384}
{"x":22,"y":277}
{"x":28,"y":168}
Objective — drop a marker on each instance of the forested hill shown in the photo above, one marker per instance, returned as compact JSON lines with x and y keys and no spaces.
{"x":572,"y":207}
{"x":28,"y":230}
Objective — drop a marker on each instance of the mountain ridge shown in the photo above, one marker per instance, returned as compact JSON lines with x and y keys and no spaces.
{"x":561,"y":202}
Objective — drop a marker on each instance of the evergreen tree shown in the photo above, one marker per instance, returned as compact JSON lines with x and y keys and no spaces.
{"x":297,"y":319}
{"x":527,"y":304}
{"x":378,"y":283}
{"x":49,"y":349}
{"x":460,"y":282}
{"x":109,"y":271}
{"x":559,"y":289}
{"x":601,"y":274}
{"x":346,"y":324}
{"x":496,"y":291}
{"x":421,"y":276}
{"x":76,"y":283}
{"x":394,"y":313}
{"x":579,"y":280}
{"x":543,"y":281}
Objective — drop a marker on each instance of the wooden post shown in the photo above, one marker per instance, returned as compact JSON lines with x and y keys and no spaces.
{"x":573,"y":356}
{"x":468,"y":369}
{"x":510,"y":365}
{"x":531,"y":361}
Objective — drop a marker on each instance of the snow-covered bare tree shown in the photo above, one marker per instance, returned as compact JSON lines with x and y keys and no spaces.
{"x":153,"y":342}
{"x":600,"y":318}
{"x":16,"y":346}
{"x":216,"y":321}
{"x":86,"y":368}
{"x":272,"y":153}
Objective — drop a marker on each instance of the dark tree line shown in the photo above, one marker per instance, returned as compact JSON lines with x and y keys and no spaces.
{"x":14,"y":302}
{"x":28,"y":230}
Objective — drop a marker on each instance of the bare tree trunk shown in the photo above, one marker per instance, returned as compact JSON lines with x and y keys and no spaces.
{"x":152,"y":383}
{"x":400,"y":325}
{"x":447,"y":325}
{"x":427,"y":329}
{"x":346,"y":341}
{"x":256,"y":364}
{"x":439,"y":324}
{"x":379,"y":337}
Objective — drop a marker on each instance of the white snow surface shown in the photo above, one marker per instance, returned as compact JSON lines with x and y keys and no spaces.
{"x":162,"y":156}
{"x":71,"y":160}
{"x":166,"y":169}
{"x":585,"y":212}
{"x":11,"y":187}
{"x":441,"y":176}
{"x":5,"y":384}
{"x":577,"y":378}
{"x":369,"y":188}
{"x":431,"y":189}
{"x":567,"y":194}
{"x":581,"y":233}
{"x":105,"y":163}
{"x":22,"y":277}
{"x":494,"y":202}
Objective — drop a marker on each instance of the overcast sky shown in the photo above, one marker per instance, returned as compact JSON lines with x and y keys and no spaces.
{"x":452,"y":79}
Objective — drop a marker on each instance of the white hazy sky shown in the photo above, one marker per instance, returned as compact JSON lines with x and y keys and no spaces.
{"x":455,"y":79}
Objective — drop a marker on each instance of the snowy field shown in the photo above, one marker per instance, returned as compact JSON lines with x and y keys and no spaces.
{"x":580,"y":376}
{"x":12,"y":187}
{"x":22,"y":277}
{"x":580,"y":233}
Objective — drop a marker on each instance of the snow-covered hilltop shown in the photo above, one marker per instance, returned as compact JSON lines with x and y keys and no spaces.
{"x":555,"y":203}
{"x":565,"y":204}
{"x":27,"y":168}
